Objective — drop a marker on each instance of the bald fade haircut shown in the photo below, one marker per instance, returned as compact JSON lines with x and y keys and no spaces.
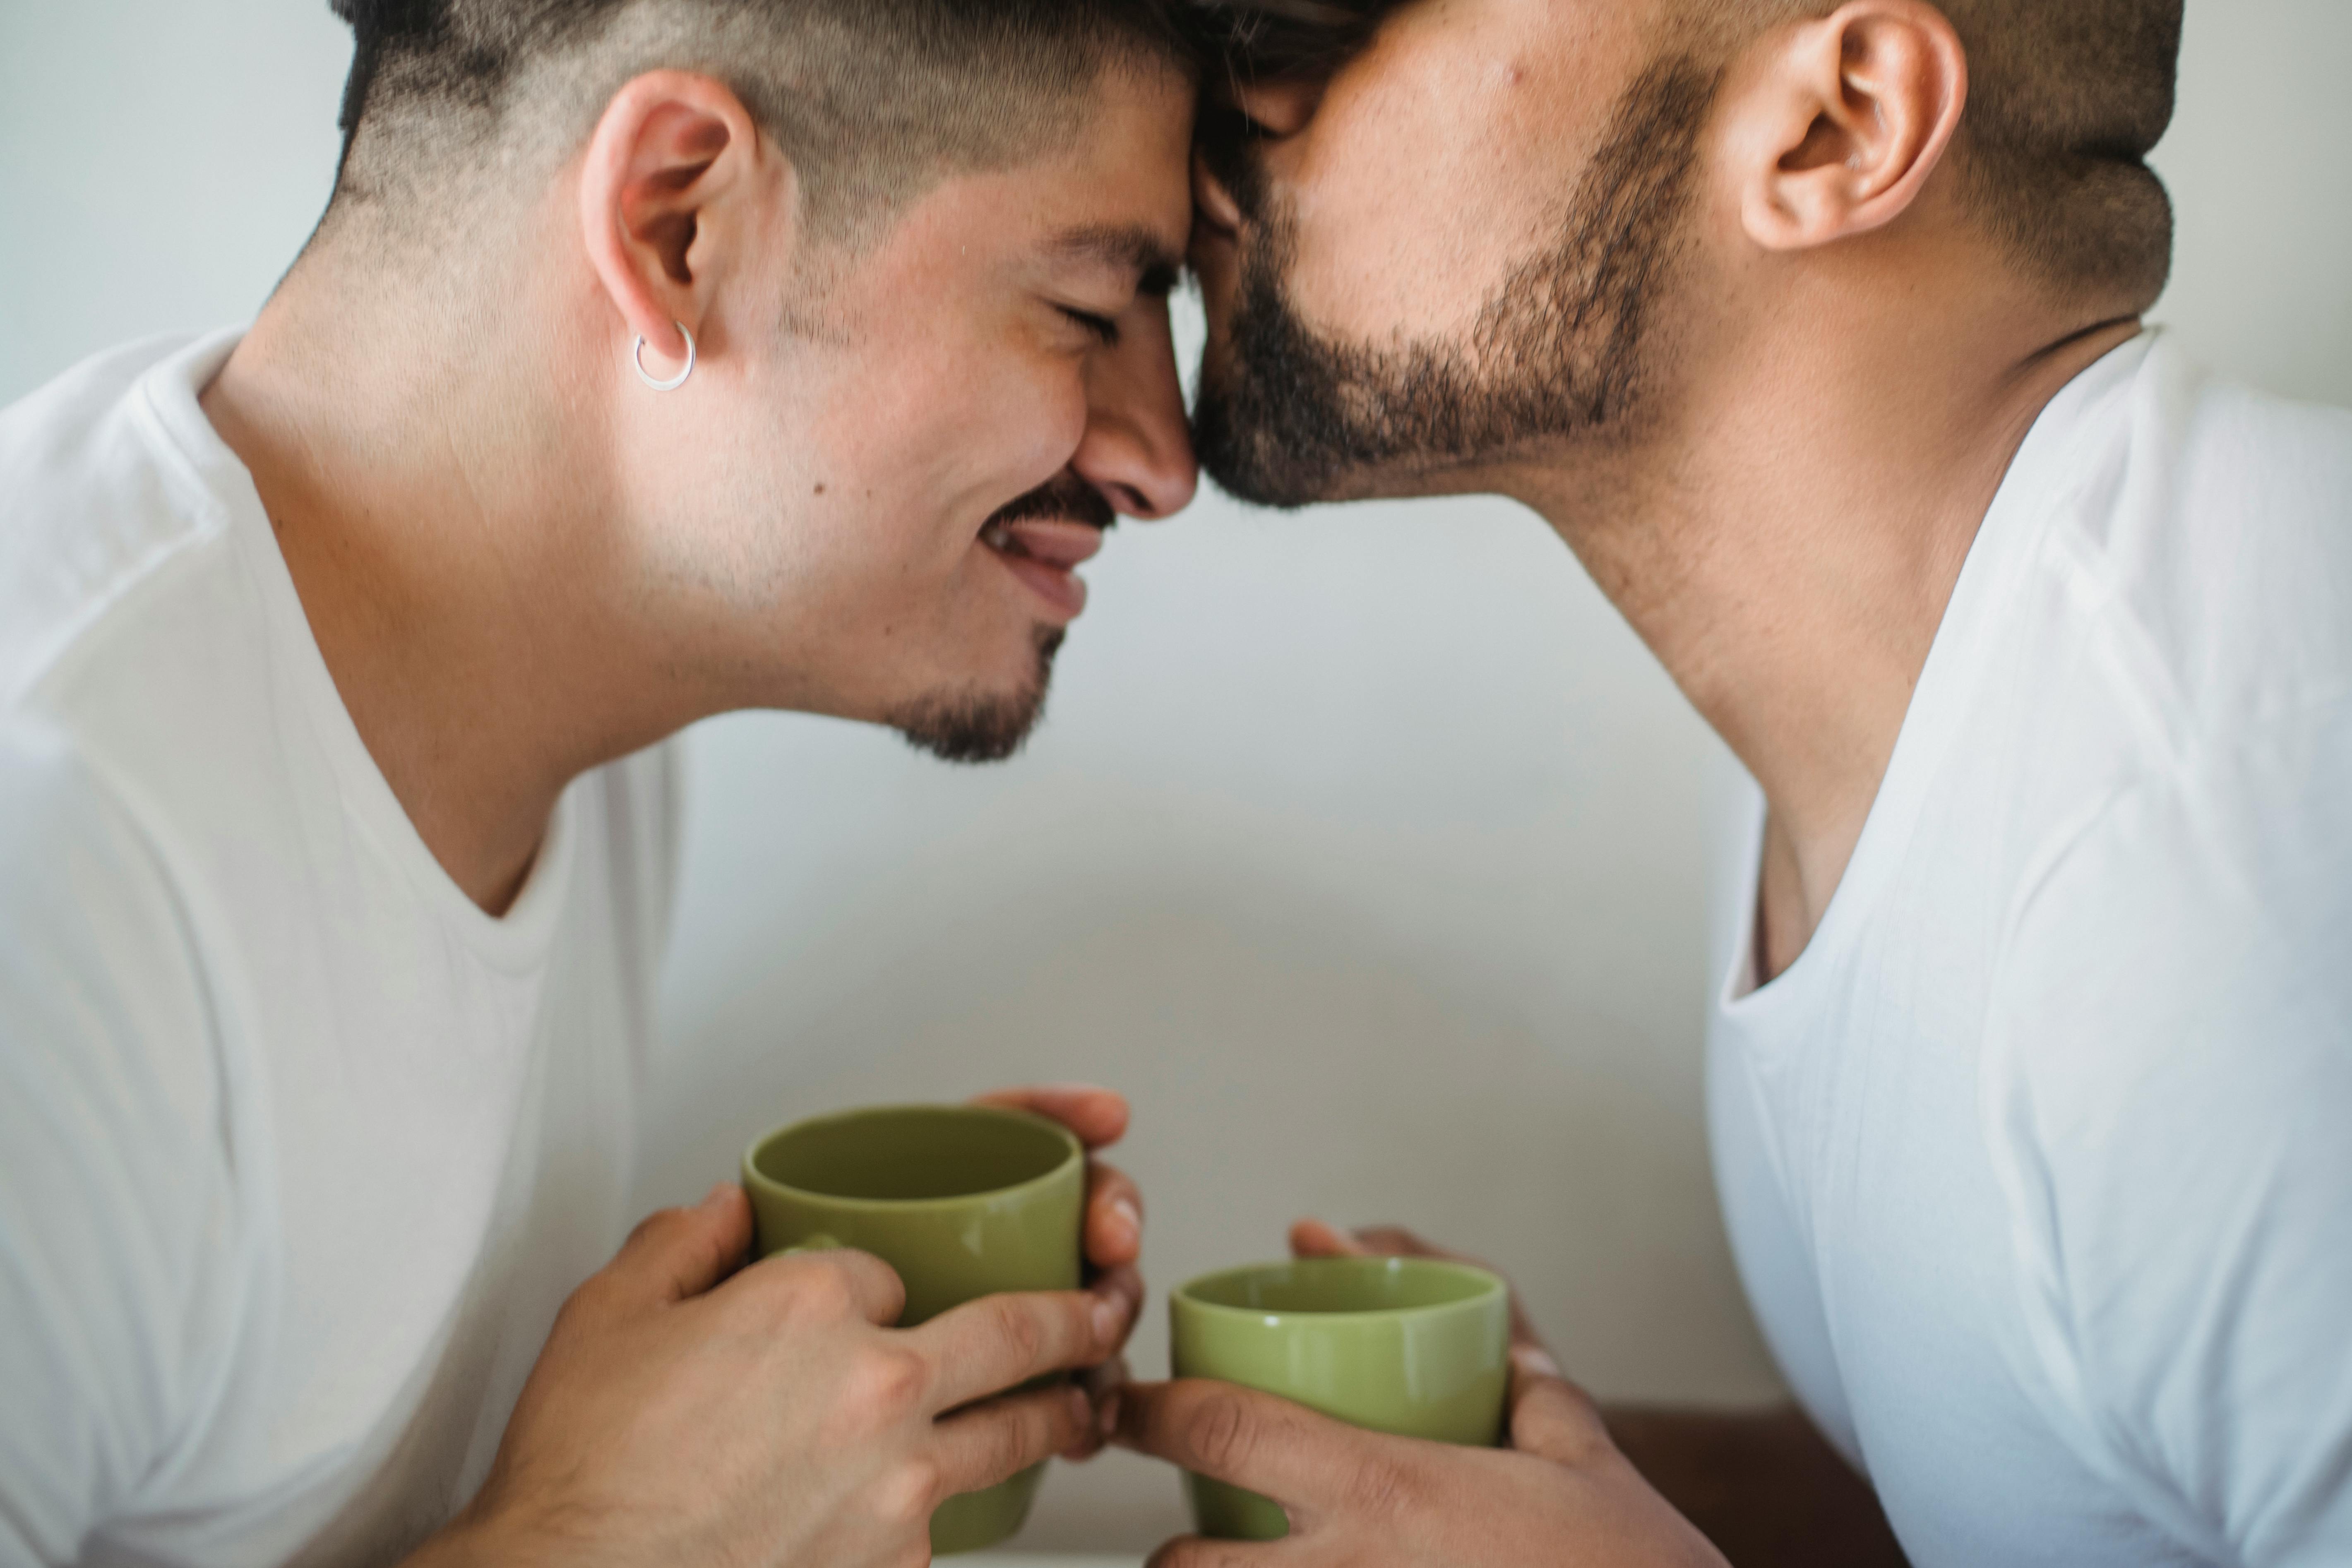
{"x":2066,"y":99}
{"x":873,"y":101}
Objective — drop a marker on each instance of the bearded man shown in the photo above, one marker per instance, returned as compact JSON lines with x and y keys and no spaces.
{"x":654,"y":358}
{"x":1815,"y":330}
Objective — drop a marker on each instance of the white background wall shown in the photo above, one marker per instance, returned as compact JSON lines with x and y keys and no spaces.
{"x":1366,"y":851}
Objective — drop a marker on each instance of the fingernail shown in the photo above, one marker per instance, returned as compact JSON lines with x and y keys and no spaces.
{"x":717,"y":1195}
{"x":1106,"y":1416}
{"x":1534,"y":1360}
{"x":1124,"y":1211}
{"x":1081,"y":1409}
{"x":1110,"y":1317}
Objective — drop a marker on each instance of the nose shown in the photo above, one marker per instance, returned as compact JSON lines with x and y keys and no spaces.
{"x":1137,"y":450}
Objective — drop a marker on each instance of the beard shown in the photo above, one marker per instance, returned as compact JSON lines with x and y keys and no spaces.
{"x":978,"y":726}
{"x":1564,"y":350}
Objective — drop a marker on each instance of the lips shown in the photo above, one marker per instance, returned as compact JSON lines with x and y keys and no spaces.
{"x":1045,"y":553}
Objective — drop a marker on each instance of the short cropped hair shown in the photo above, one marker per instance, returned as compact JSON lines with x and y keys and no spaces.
{"x":2066,"y":99}
{"x":872,"y":100}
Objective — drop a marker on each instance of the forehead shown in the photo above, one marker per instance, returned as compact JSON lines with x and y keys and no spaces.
{"x":1485,"y":103}
{"x":1115,"y":192}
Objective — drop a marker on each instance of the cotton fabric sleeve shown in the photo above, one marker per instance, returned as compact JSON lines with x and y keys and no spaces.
{"x":116,"y":1198}
{"x":2170,"y":1106}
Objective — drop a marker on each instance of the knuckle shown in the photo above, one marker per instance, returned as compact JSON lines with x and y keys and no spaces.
{"x":890,"y":1382}
{"x":1195,"y":1553}
{"x":584,"y":1305}
{"x":818,"y":1288}
{"x":1021,"y":1334}
{"x":1383,"y":1487}
{"x":912,"y":1490}
{"x":1218,"y":1432}
{"x":1019,"y":1443}
{"x":646,"y":1228}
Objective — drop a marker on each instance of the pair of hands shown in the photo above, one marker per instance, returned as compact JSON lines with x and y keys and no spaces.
{"x":1558,"y":1493}
{"x":691,"y":1408}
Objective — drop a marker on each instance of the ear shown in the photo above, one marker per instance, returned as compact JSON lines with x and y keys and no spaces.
{"x":674,"y":179}
{"x":1839,"y":123}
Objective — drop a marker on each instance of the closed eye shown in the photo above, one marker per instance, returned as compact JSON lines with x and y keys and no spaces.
{"x":1102,"y":327}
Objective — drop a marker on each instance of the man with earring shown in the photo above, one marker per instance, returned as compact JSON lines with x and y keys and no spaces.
{"x":653,"y":358}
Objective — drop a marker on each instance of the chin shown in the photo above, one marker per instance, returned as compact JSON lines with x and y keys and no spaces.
{"x":975,"y":723}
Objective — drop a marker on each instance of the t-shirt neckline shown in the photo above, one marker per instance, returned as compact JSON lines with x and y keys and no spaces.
{"x":2046,"y":473}
{"x":218,"y":483}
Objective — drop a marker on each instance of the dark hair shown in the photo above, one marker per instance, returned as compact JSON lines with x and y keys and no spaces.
{"x":2066,"y":99}
{"x":871,"y":98}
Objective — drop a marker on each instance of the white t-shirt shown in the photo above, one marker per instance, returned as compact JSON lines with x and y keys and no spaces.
{"x":2038,"y":1161}
{"x":299,"y":1151}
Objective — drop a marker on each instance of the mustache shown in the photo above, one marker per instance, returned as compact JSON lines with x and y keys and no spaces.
{"x":1064,"y":498}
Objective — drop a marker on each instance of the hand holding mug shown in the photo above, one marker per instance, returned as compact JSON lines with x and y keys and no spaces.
{"x":1559,"y":1492}
{"x":689,"y":1407}
{"x":1114,"y":1220}
{"x":684,"y":1410}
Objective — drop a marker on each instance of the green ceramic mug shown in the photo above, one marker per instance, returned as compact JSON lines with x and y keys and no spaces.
{"x":1411,"y":1346}
{"x":961,"y":1200}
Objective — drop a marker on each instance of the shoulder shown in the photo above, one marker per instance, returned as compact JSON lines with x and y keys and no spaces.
{"x":119,"y":1220}
{"x":2206,"y":557}
{"x":93,"y":497}
{"x":2167,"y":1070}
{"x":104,"y":1002}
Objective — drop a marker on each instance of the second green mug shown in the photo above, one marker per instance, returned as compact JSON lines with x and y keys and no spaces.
{"x":962,"y":1201}
{"x":1415,"y":1346}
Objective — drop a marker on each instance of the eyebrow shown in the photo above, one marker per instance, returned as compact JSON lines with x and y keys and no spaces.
{"x":1133,"y":246}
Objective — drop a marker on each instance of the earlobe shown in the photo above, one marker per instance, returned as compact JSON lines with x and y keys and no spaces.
{"x":663,"y":183}
{"x":1841,"y":120}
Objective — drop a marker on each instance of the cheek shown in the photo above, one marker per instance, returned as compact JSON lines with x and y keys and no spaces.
{"x":942,"y":437}
{"x":1417,"y":191}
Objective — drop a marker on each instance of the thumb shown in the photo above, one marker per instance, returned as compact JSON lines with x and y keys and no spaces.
{"x":1318,"y":1239}
{"x":1550,"y":1418}
{"x":679,"y":1253}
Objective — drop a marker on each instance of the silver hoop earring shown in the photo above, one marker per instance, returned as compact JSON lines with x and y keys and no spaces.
{"x":637,"y":358}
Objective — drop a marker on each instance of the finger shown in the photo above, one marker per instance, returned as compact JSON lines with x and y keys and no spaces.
{"x":869,"y":1286}
{"x":1098,"y":1116}
{"x":1228,"y":1433}
{"x":1317,"y":1238}
{"x":1550,"y":1418}
{"x":993,"y":1442}
{"x":1395,"y":1241}
{"x":1194,"y":1551}
{"x":1123,"y":1288}
{"x":1114,"y":1217}
{"x":987,"y":1346}
{"x":679,"y":1253}
{"x":1101,"y":1385}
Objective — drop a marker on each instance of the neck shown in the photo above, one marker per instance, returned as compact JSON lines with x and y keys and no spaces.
{"x":453,"y":558}
{"x":1787,"y":541}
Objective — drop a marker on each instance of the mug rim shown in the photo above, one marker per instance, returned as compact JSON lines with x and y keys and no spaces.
{"x":755,"y":1177}
{"x":1493,"y":1285}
